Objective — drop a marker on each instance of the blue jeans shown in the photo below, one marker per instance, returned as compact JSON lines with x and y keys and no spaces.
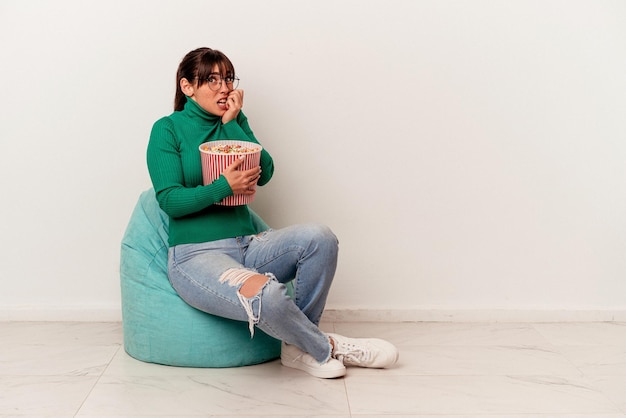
{"x":208,"y":276}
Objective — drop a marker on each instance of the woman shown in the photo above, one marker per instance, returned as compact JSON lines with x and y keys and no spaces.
{"x":219,"y":260}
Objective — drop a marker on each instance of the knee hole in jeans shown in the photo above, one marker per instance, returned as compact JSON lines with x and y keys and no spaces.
{"x":250,"y":285}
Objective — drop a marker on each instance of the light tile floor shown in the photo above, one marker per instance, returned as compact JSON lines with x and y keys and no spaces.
{"x":446,"y":370}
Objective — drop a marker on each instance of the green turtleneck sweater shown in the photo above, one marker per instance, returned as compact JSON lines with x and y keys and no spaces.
{"x":174,"y":164}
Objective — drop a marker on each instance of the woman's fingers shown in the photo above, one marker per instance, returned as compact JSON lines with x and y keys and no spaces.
{"x":241,"y":181}
{"x":234,"y":100}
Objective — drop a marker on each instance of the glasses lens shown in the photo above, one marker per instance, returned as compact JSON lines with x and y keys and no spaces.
{"x":216,"y":83}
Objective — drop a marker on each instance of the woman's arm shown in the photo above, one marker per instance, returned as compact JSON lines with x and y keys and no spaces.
{"x":234,"y":120}
{"x":243,"y":127}
{"x":166,"y":172}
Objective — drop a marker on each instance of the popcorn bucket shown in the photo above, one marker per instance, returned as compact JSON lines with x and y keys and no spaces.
{"x":217,"y":155}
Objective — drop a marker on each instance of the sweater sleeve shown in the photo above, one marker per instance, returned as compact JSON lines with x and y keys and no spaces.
{"x":240,"y":128}
{"x":166,"y":172}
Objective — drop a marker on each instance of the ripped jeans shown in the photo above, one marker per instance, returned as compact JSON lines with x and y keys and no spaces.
{"x":208,"y":276}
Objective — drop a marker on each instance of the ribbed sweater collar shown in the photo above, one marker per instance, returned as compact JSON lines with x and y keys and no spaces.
{"x":193,"y":110}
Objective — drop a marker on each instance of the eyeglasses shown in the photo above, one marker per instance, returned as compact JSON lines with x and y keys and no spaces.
{"x":215,"y":82}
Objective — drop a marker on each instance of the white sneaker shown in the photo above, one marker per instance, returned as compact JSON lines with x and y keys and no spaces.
{"x":292,"y":356}
{"x":364,"y":352}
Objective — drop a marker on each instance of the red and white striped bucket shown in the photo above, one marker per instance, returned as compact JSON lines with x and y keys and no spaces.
{"x":214,"y":163}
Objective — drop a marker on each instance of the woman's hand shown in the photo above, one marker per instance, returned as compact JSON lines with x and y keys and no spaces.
{"x":241,"y":181}
{"x":234,"y":101}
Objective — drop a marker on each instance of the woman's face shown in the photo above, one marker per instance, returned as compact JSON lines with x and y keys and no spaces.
{"x":213,"y":102}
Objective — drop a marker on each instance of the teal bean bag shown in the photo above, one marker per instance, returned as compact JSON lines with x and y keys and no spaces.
{"x":159,"y":327}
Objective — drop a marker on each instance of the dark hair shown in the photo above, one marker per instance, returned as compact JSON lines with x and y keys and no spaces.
{"x":198,"y":65}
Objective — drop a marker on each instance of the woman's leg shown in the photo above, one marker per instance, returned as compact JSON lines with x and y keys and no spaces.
{"x":211,"y":277}
{"x":306,"y":254}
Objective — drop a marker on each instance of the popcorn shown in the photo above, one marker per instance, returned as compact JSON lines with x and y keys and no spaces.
{"x":228,"y":149}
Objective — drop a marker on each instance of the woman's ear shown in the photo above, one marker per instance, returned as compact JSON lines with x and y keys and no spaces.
{"x":186,"y":87}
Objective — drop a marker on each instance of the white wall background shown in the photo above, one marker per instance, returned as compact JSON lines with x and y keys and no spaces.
{"x":469,"y":154}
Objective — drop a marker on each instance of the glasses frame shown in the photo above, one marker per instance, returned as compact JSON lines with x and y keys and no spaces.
{"x":231,"y":82}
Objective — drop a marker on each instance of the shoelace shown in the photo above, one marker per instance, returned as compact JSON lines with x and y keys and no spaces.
{"x":352,"y":354}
